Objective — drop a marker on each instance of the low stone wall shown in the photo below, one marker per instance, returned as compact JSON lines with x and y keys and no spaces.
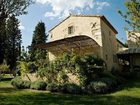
{"x":32,"y":77}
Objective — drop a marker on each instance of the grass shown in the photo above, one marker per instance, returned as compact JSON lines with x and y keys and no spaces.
{"x":128,"y":95}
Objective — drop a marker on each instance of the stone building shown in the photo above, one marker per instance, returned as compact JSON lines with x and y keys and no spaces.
{"x":84,"y":34}
{"x":132,"y":53}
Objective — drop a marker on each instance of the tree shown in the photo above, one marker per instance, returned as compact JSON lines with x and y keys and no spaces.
{"x":14,"y":7}
{"x":13,"y":41}
{"x":39,"y":37}
{"x":132,"y":15}
{"x":9,"y":8}
{"x":2,"y":36}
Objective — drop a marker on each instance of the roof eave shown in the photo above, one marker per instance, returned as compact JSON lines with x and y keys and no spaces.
{"x":108,"y":23}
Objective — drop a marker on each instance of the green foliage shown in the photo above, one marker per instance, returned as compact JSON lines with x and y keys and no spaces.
{"x":2,"y":36}
{"x":89,"y":68}
{"x":102,"y":85}
{"x":26,"y":84}
{"x":71,"y":88}
{"x":53,"y":87}
{"x":50,"y":72}
{"x":13,"y":41}
{"x":98,"y":87}
{"x":26,"y":67}
{"x":63,"y":78}
{"x":132,"y":15}
{"x":59,"y":68}
{"x":129,"y":94}
{"x":20,"y":84}
{"x":39,"y":37}
{"x":23,"y":67}
{"x":86,"y":68}
{"x":14,"y":7}
{"x":32,"y":67}
{"x":109,"y":81}
{"x":10,"y":8}
{"x":107,"y":74}
{"x":4,"y":67}
{"x":39,"y":85}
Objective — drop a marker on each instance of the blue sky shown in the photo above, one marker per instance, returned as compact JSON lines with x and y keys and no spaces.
{"x":52,"y":12}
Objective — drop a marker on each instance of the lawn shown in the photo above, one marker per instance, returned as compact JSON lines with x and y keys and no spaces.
{"x":128,"y":95}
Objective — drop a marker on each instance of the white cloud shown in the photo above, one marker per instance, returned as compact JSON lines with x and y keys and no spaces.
{"x":62,"y":8}
{"x":101,"y":5}
{"x":21,"y":27}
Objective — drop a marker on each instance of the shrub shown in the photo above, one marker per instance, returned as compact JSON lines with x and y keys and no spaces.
{"x":71,"y":88}
{"x":111,"y":83}
{"x":17,"y":82}
{"x":4,"y":68}
{"x":89,"y":68}
{"x":108,"y":75}
{"x":53,"y":87}
{"x":102,"y":85}
{"x":32,"y":67}
{"x":98,"y":87}
{"x":38,"y":85}
{"x":20,"y":84}
{"x":26,"y":84}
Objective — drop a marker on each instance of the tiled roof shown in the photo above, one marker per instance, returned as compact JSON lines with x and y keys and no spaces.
{"x":130,"y":51}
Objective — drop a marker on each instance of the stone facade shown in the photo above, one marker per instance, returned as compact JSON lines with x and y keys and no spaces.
{"x":101,"y":38}
{"x":133,"y":40}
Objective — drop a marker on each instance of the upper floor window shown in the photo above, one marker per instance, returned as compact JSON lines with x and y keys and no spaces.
{"x":106,"y":57}
{"x":70,"y":30}
{"x":51,"y":35}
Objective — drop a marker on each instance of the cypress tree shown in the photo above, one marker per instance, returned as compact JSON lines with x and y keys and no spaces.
{"x":2,"y":36}
{"x":8,"y":8}
{"x":39,"y":37}
{"x":13,"y":41}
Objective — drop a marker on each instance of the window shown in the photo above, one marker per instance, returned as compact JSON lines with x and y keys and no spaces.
{"x":106,"y":57}
{"x":51,"y":35}
{"x":70,"y":30}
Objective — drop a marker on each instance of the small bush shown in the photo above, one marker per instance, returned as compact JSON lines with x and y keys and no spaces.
{"x":102,"y":85}
{"x":108,"y":75}
{"x":4,"y":67}
{"x":71,"y":88}
{"x":38,"y":85}
{"x":20,"y":84}
{"x":98,"y":87}
{"x":15,"y":81}
{"x":26,"y":84}
{"x":53,"y":87}
{"x":109,"y":81}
